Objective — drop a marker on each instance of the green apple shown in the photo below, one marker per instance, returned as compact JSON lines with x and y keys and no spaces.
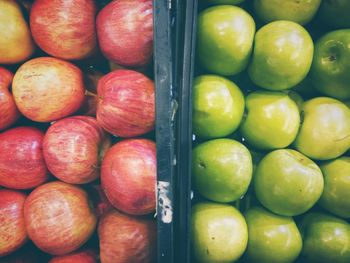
{"x":218,"y":233}
{"x":218,"y":106}
{"x":271,"y":121}
{"x":287,"y":182}
{"x":330,"y":70}
{"x":225,"y":38}
{"x":299,"y":11}
{"x":325,"y":130}
{"x":336,"y":194}
{"x":225,"y":2}
{"x":272,"y":238}
{"x":221,"y":169}
{"x":326,"y":239}
{"x":282,"y":55}
{"x":335,"y":13}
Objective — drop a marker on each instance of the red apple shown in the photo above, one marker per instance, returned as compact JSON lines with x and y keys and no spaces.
{"x":82,"y":256}
{"x":8,"y":109}
{"x":58,"y":217}
{"x":100,"y":200}
{"x":128,"y":176}
{"x":126,"y":106}
{"x":125,"y":32}
{"x":12,"y":229}
{"x":126,"y":239}
{"x":22,"y":164}
{"x":73,"y":149}
{"x":64,"y":29}
{"x":47,"y":89}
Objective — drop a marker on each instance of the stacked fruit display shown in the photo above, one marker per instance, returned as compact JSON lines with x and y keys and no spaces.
{"x":270,"y":164}
{"x":73,"y":175}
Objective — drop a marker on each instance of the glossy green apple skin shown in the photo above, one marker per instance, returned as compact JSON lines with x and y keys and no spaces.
{"x":335,"y":13}
{"x":301,"y":11}
{"x":282,"y":55}
{"x":271,"y":121}
{"x":219,"y":233}
{"x":225,"y":2}
{"x":336,"y":194}
{"x":325,"y":129}
{"x":287,"y":182}
{"x":330,"y":71}
{"x":326,"y":239}
{"x":222,"y":169}
{"x":225,"y":38}
{"x":272,"y":238}
{"x":218,"y":106}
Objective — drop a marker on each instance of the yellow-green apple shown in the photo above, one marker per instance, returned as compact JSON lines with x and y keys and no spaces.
{"x":225,"y":38}
{"x":128,"y":176}
{"x":80,"y":256}
{"x":16,"y":44}
{"x":287,"y":182}
{"x":126,"y":105}
{"x":218,"y":106}
{"x":300,"y":11}
{"x":218,"y":233}
{"x":222,"y":169}
{"x":335,"y":13}
{"x":47,"y":89}
{"x":64,"y":29}
{"x":73,"y":148}
{"x":326,"y":239}
{"x":330,"y":70}
{"x":282,"y":55}
{"x":126,"y":238}
{"x":22,"y":164}
{"x":58,"y":217}
{"x":272,"y":238}
{"x":8,"y":109}
{"x":13,"y":233}
{"x":125,"y":32}
{"x":271,"y":120}
{"x":325,"y":129}
{"x":336,"y":194}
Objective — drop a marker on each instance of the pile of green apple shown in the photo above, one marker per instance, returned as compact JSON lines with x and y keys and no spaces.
{"x":271,"y":119}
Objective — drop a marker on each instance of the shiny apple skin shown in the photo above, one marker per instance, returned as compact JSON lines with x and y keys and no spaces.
{"x":126,"y":239}
{"x":22,"y":164}
{"x":128,"y":176}
{"x":13,"y":233}
{"x":324,"y":132}
{"x":125,"y":32}
{"x":126,"y":105}
{"x":58,"y":217}
{"x":81,"y":256}
{"x":46,"y":89}
{"x":8,"y":109}
{"x":282,"y":55}
{"x":64,"y":29}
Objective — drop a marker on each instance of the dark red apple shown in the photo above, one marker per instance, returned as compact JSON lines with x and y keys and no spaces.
{"x":64,"y":29}
{"x":13,"y":233}
{"x":58,"y":217}
{"x":126,"y":239}
{"x":126,"y":106}
{"x":89,"y":106}
{"x":22,"y":164}
{"x":73,"y":149}
{"x":8,"y":109}
{"x":100,"y":200}
{"x":125,"y":32}
{"x":82,"y":256}
{"x":47,"y":89}
{"x":128,"y":176}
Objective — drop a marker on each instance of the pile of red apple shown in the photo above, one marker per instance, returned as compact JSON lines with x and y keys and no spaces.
{"x":271,"y":118}
{"x":77,"y":182}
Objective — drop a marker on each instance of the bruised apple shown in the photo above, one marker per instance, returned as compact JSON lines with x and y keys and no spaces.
{"x":128,"y":176}
{"x":82,"y":256}
{"x":126,"y":239}
{"x":22,"y":164}
{"x":58,"y":217}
